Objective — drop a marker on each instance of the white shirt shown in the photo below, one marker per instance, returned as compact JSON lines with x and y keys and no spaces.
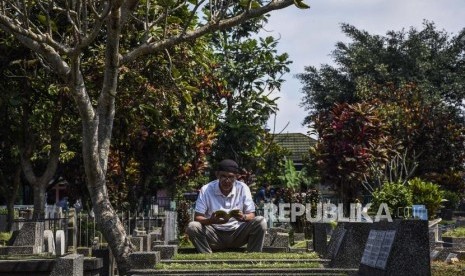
{"x":211,"y":199}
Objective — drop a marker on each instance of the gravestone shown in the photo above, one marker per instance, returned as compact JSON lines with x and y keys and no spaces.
{"x":69,"y":265}
{"x":84,"y":251}
{"x":107,"y":260}
{"x":60,"y":243}
{"x":139,"y":230}
{"x":268,"y":239}
{"x":49,"y":242}
{"x":434,"y":234}
{"x":167,"y":252}
{"x":277,"y":237}
{"x":137,"y":242}
{"x":170,"y":227}
{"x":320,"y":238}
{"x":281,"y":240}
{"x":396,"y":248}
{"x":454,"y":242}
{"x":145,"y":242}
{"x":299,"y":237}
{"x":335,"y":241}
{"x":345,"y":249}
{"x":144,"y":260}
{"x":155,"y":234}
{"x":96,"y":243}
{"x":434,"y":254}
{"x":154,"y":243}
{"x":31,"y":234}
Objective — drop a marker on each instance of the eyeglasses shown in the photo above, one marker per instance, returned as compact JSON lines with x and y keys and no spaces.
{"x":227,"y":178}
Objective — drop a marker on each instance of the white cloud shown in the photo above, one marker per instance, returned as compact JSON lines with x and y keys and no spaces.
{"x":309,"y":36}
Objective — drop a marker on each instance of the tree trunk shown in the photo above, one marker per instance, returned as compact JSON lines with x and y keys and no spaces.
{"x":113,"y":231}
{"x":39,"y":200}
{"x":10,"y":203}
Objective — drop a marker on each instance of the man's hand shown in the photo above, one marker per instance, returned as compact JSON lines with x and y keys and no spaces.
{"x":219,"y":219}
{"x":237,"y":214}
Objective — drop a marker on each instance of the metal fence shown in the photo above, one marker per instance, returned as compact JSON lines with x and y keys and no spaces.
{"x":81,"y":228}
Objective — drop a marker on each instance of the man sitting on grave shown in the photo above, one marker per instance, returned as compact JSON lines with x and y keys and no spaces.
{"x":225,"y":214}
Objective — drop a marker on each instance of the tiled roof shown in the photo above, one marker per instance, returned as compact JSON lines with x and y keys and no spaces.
{"x":297,"y":143}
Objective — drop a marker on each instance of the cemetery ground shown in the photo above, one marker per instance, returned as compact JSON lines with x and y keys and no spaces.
{"x":402,"y":247}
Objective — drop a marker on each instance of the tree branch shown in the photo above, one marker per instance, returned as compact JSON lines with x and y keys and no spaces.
{"x":149,"y":48}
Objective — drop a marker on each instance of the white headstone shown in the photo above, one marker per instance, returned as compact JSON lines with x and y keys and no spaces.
{"x":60,"y":243}
{"x":49,"y":242}
{"x":170,"y":226}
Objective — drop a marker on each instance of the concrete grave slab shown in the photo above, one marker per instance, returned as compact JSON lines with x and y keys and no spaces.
{"x":69,"y":265}
{"x":31,"y":234}
{"x":167,"y":252}
{"x":144,"y":260}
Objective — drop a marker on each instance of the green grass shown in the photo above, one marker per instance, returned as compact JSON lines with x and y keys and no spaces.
{"x":300,"y":244}
{"x":225,"y":265}
{"x":447,"y":222}
{"x":458,"y":232}
{"x":249,"y":256}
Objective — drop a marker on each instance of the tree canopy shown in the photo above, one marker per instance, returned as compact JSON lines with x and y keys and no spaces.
{"x":72,"y":38}
{"x":413,"y":80}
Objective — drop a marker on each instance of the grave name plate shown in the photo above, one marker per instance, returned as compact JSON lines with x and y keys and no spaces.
{"x":377,"y":248}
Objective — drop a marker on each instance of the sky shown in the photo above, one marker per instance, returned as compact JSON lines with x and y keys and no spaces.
{"x":309,"y":36}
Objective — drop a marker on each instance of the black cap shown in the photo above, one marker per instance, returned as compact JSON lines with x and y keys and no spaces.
{"x":228,"y":165}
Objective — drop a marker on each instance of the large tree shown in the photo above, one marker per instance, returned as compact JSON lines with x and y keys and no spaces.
{"x":33,"y":109}
{"x":417,"y":77}
{"x":251,"y":69}
{"x":62,"y":33}
{"x":430,"y":58}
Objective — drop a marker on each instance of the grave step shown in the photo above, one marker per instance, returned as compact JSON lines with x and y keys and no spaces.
{"x":245,"y":261}
{"x":266,"y":249}
{"x":251,"y":271}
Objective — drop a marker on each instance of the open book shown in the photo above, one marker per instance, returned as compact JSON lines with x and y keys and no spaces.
{"x":226,"y":215}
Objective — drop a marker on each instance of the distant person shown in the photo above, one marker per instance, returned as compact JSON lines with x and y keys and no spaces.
{"x":261,"y":197}
{"x":225,"y":214}
{"x":78,"y":205}
{"x":64,"y":204}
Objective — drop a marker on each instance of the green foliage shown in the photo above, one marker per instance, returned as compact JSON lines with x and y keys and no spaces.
{"x":352,"y":139}
{"x":271,"y":165}
{"x":458,"y":232}
{"x":426,"y":193}
{"x":291,"y":177}
{"x":451,"y":180}
{"x":402,"y":75}
{"x":395,"y":195}
{"x":423,"y":124}
{"x":398,"y":195}
{"x":183,"y":217}
{"x":5,"y":237}
{"x":250,"y":69}
{"x":4,"y":211}
{"x":452,"y":198}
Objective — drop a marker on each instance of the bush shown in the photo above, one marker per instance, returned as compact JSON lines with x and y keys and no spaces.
{"x":5,"y":237}
{"x":458,"y":232}
{"x":4,"y":211}
{"x":426,"y":193}
{"x":395,"y":195}
{"x":452,"y":198}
